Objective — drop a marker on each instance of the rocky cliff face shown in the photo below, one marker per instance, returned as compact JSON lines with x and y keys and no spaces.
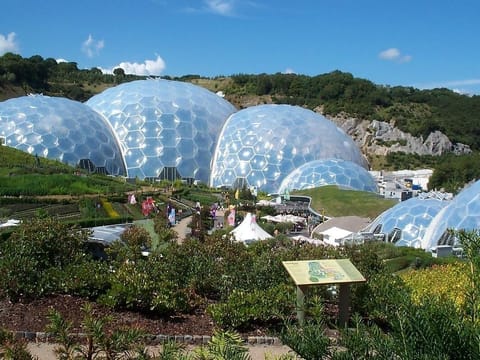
{"x":378,"y":137}
{"x":381,"y":138}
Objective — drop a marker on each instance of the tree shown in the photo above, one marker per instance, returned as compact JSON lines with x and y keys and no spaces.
{"x":119,"y":72}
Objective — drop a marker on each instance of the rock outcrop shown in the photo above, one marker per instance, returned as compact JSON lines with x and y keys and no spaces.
{"x":382,"y":138}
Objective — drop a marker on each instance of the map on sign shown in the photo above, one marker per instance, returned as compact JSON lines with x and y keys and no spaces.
{"x":311,"y":272}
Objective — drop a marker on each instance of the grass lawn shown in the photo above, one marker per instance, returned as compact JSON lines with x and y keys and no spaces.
{"x":337,"y":202}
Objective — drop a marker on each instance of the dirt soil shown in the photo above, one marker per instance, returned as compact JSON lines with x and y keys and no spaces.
{"x":33,"y":317}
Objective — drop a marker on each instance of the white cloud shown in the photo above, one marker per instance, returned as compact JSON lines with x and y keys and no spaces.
{"x":148,"y":68}
{"x":92,"y":47}
{"x":8,"y":43}
{"x":289,"y":71}
{"x":221,"y":7}
{"x":393,"y":54}
{"x":465,"y":82}
{"x":230,"y":8}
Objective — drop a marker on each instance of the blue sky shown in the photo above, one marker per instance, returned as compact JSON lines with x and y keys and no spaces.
{"x":421,"y":43}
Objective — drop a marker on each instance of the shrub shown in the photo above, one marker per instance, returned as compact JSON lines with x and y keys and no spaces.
{"x":99,"y":343}
{"x":448,"y":281}
{"x":107,"y":206}
{"x":33,"y":249}
{"x":140,"y":286}
{"x":12,"y":348}
{"x":262,"y":306}
{"x":89,"y":279}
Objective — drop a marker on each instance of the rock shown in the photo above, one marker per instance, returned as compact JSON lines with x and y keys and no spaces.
{"x":381,"y":138}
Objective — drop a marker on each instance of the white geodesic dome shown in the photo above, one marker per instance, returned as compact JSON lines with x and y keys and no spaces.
{"x":405,"y":224}
{"x":462,"y":213}
{"x":164,"y":126}
{"x":260,"y":145}
{"x":317,"y":173}
{"x":60,"y":129}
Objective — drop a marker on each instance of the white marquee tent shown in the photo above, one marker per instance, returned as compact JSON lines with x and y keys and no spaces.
{"x":249,"y":231}
{"x":334,"y":235}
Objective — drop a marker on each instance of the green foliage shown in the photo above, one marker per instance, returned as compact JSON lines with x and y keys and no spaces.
{"x":163,"y":230}
{"x":399,"y":160}
{"x":144,"y":285}
{"x":470,"y":242}
{"x":135,"y":239}
{"x":56,"y":184}
{"x":309,"y":340}
{"x":172,"y":350}
{"x":99,"y":343}
{"x":361,"y":341}
{"x":12,"y":348}
{"x":242,"y":309}
{"x":87,"y":279}
{"x":224,"y":345}
{"x":33,"y":251}
{"x":193,"y":194}
{"x":22,"y":174}
{"x":453,"y":172}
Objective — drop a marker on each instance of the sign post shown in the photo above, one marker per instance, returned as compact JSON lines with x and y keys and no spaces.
{"x":308,"y":273}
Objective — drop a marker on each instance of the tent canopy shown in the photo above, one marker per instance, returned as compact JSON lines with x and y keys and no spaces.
{"x":249,"y":231}
{"x":333,"y":235}
{"x":284,"y":218}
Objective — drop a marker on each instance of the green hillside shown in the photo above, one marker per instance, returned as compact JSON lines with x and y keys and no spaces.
{"x":335,"y":202}
{"x":22,"y":174}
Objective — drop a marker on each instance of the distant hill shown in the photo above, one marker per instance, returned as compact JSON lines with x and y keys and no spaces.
{"x":396,"y":127}
{"x":413,"y":111}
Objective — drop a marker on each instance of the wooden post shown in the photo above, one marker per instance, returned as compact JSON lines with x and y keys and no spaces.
{"x":343,"y":305}
{"x":301,"y":290}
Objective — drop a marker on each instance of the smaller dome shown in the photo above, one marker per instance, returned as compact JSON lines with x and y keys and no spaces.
{"x":463,"y":213}
{"x":60,"y":129}
{"x":344,"y":174}
{"x":406,"y":223}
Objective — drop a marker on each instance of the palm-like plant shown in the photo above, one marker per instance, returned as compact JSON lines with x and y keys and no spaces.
{"x":223,"y":346}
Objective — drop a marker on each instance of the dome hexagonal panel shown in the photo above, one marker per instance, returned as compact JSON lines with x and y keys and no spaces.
{"x":60,"y":129}
{"x":463,"y":213}
{"x":171,"y":114}
{"x":406,"y":223}
{"x":285,"y":136}
{"x":344,"y":174}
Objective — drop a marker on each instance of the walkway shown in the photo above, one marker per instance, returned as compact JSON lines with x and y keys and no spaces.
{"x":183,"y":230}
{"x":45,"y":351}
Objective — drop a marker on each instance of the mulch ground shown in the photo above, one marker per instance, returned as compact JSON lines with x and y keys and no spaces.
{"x":33,"y":317}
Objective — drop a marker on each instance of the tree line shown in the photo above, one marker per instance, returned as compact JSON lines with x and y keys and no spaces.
{"x":418,"y":112}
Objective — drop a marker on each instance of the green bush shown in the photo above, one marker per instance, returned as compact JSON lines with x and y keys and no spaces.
{"x":261,"y":306}
{"x":309,"y":341}
{"x":89,"y":279}
{"x":139,"y":286}
{"x":32,"y":251}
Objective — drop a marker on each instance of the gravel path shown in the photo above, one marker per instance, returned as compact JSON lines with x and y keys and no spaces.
{"x":45,"y":351}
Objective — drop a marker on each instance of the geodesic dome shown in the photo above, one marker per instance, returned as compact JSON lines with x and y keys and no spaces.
{"x":344,"y":174}
{"x":260,"y":145}
{"x":462,"y":213}
{"x":167,"y":129}
{"x":60,"y":129}
{"x":405,"y":223}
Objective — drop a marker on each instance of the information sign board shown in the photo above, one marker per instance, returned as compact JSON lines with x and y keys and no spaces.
{"x":322,"y":272}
